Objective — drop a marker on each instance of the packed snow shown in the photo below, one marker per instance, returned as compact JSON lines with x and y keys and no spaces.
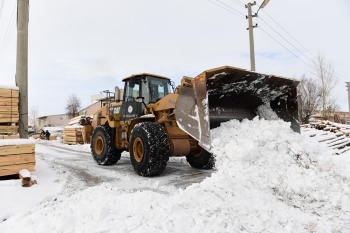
{"x":268,"y":179}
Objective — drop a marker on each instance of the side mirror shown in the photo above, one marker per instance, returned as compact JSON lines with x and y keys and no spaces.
{"x":116,"y":94}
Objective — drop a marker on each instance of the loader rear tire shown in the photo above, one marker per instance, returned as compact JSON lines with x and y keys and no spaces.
{"x":149,"y":149}
{"x":201,"y":159}
{"x":102,"y":148}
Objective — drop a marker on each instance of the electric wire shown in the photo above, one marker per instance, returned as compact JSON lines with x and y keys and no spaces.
{"x":230,"y":7}
{"x":295,"y":41}
{"x":287,"y":32}
{"x":239,"y":3}
{"x":286,"y":39}
{"x":8,"y":36}
{"x":1,"y":7}
{"x":285,"y":48}
{"x":226,"y":9}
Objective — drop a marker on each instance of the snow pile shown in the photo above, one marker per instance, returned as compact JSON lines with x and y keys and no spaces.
{"x":20,"y":141}
{"x":265,"y":112}
{"x":269,"y":179}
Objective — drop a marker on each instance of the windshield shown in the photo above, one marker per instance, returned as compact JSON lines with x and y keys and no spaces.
{"x":157,"y":88}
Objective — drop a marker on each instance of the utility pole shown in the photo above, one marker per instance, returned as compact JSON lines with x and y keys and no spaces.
{"x":348,"y":86}
{"x":22,"y":65}
{"x":251,"y":36}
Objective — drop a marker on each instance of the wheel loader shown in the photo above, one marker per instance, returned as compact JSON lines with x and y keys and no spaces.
{"x":155,"y":120}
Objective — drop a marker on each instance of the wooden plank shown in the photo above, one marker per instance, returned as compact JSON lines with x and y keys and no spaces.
{"x":17,"y":159}
{"x":9,"y":93}
{"x":70,"y":138}
{"x":8,"y":108}
{"x":73,"y":134}
{"x":5,"y":129}
{"x":9,"y":120}
{"x":14,"y":169}
{"x":9,"y":114}
{"x":17,"y":149}
{"x":72,"y":130}
{"x":337,"y":139}
{"x":9,"y":101}
{"x":341,"y":145}
{"x":9,"y":137}
{"x":327,"y":138}
{"x":338,"y":142}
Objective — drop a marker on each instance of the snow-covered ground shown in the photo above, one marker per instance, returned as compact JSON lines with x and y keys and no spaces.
{"x":268,"y":179}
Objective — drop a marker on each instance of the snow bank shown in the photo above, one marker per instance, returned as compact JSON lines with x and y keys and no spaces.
{"x":11,"y":142}
{"x":269,"y":179}
{"x":8,"y":87}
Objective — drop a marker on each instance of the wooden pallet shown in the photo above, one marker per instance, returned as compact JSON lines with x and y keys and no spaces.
{"x":14,"y":158}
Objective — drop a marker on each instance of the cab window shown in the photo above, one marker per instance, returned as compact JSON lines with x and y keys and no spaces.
{"x":132,"y":89}
{"x":158,"y":88}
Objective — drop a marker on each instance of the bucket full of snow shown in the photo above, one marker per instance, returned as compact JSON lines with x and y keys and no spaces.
{"x":226,"y":93}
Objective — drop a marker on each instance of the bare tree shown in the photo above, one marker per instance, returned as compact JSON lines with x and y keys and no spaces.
{"x":332,"y":107}
{"x":310,"y":92}
{"x":324,"y":70}
{"x":33,"y":115}
{"x":73,"y":105}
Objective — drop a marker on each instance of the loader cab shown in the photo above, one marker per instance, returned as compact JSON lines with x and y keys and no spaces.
{"x":150,"y":87}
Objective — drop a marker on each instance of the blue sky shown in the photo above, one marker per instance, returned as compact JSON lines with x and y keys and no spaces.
{"x":84,"y":47}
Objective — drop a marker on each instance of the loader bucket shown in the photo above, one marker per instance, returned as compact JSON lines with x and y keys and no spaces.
{"x":226,"y":93}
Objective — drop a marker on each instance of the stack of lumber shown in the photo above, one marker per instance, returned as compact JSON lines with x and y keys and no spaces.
{"x":73,"y":135}
{"x":9,"y":136}
{"x":15,"y":155}
{"x":87,"y":130}
{"x":9,"y":109}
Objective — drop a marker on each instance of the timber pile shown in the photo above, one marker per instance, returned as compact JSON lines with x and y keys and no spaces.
{"x":9,"y":110}
{"x":335,"y":135}
{"x":9,"y":136}
{"x":78,"y":131}
{"x":16,"y":155}
{"x":73,"y":135}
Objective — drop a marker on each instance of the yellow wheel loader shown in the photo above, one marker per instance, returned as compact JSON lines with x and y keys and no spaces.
{"x":155,"y":120}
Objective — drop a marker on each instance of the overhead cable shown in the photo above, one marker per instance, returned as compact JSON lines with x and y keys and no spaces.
{"x":8,"y":35}
{"x":226,"y":9}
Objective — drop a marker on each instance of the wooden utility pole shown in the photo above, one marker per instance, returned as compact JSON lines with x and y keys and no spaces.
{"x":22,"y":65}
{"x":251,"y":36}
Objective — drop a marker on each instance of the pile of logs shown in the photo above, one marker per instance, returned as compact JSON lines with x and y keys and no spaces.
{"x":9,"y":110}
{"x":16,"y":155}
{"x":338,"y":139}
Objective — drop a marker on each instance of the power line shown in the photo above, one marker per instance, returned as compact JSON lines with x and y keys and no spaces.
{"x":295,"y":41}
{"x":239,"y":2}
{"x":287,"y":33}
{"x":285,"y":47}
{"x":230,"y":7}
{"x":1,"y":7}
{"x":8,"y":35}
{"x":285,"y":39}
{"x":226,"y":9}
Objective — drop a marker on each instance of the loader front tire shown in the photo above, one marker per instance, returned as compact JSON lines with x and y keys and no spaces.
{"x":149,"y":149}
{"x":201,"y":159}
{"x":102,"y":148}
